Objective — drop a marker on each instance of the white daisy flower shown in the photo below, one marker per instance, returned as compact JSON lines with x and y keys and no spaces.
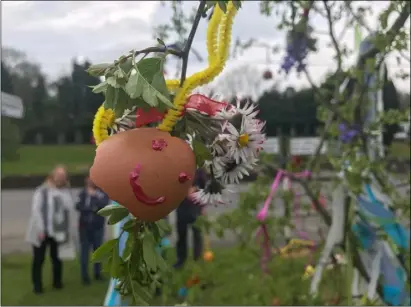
{"x":205,"y":198}
{"x":233,"y":172}
{"x":249,"y":109}
{"x":219,"y":147}
{"x":227,"y":113}
{"x":246,"y":143}
{"x":217,"y":164}
{"x":123,"y":124}
{"x":212,"y":194}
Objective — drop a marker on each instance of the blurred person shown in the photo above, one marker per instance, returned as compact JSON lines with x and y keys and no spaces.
{"x":187,"y":214}
{"x":91,"y":226}
{"x":49,"y":225}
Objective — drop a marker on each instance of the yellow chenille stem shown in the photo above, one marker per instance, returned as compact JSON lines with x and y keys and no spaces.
{"x":212,"y":35}
{"x":172,"y":84}
{"x":207,"y":75}
{"x":212,"y":45}
{"x":102,"y":122}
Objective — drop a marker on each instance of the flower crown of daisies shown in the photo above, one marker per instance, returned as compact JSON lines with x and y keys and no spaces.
{"x":226,"y":138}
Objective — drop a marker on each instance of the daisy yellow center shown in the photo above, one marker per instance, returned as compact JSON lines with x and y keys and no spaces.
{"x":243,"y":140}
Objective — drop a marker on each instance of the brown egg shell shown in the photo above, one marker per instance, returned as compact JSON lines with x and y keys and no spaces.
{"x":117,"y":156}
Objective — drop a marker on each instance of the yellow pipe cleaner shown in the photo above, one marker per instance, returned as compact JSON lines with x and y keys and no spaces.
{"x":103,"y":120}
{"x":208,"y":74}
{"x":212,"y":45}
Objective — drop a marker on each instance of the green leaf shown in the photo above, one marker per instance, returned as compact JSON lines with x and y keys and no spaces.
{"x":100,"y":88}
{"x":119,"y":73}
{"x":149,"y":95}
{"x":105,"y":249}
{"x":223,"y":6}
{"x":127,"y":65}
{"x":162,"y":265}
{"x":129,"y":225}
{"x":148,"y":83}
{"x":116,"y":264}
{"x":134,"y":87}
{"x":113,"y":81}
{"x":159,"y":82}
{"x":149,"y":251}
{"x":123,"y":101}
{"x":98,"y":70}
{"x":161,"y":42}
{"x":164,"y":227}
{"x":155,"y":230}
{"x":149,"y":67}
{"x":117,"y":216}
{"x":107,"y":264}
{"x":128,"y":248}
{"x":142,"y":293}
{"x":111,"y":97}
{"x":201,"y":152}
{"x":110,"y":209}
{"x":237,"y":4}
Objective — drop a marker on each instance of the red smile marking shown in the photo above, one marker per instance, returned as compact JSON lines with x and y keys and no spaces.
{"x":138,"y":190}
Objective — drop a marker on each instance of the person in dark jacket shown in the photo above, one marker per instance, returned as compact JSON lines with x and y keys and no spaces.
{"x":91,"y":226}
{"x":187,"y":214}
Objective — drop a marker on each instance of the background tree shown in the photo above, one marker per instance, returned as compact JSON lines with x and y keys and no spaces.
{"x":10,"y":131}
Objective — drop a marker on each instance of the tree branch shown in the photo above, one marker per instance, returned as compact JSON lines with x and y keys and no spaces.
{"x":187,"y":46}
{"x":332,"y":35}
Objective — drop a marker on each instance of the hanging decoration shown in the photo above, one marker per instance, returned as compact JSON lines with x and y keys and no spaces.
{"x":151,"y":136}
{"x":299,"y":43}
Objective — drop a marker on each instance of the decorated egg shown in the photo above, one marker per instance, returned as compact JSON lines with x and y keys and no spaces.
{"x":145,"y":170}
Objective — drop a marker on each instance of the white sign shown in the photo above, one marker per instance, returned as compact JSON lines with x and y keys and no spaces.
{"x":271,"y":146}
{"x":11,"y":106}
{"x":306,"y":146}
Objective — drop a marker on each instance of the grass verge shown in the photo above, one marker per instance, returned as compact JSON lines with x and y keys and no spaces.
{"x":233,"y":278}
{"x":39,"y":160}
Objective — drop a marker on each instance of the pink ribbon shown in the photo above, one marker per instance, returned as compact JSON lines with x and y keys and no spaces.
{"x":262,"y":215}
{"x":265,"y":245}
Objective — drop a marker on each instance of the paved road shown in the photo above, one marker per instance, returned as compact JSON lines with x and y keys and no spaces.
{"x":15,"y":213}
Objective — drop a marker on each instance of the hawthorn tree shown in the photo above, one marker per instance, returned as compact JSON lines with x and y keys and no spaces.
{"x":343,"y":113}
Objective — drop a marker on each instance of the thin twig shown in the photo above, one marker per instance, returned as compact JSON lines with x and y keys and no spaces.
{"x":187,"y":46}
{"x":332,"y":35}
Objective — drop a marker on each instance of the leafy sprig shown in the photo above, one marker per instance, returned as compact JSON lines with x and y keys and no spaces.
{"x":139,"y":266}
{"x":129,"y":83}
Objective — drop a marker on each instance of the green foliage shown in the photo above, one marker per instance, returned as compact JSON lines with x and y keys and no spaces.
{"x":130,"y":83}
{"x":140,"y":266}
{"x":201,"y":152}
{"x":10,"y":139}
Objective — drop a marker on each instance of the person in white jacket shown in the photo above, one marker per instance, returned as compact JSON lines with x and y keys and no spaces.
{"x":49,"y":225}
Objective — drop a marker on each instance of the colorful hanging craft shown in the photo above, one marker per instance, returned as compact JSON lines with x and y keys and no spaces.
{"x":148,"y":153}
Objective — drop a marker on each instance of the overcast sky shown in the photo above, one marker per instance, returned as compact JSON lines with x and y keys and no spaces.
{"x":53,"y":32}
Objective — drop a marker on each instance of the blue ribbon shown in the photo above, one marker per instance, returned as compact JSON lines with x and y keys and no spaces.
{"x":113,"y":297}
{"x":394,"y":291}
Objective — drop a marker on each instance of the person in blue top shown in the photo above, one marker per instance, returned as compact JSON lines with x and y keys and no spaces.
{"x":91,"y":226}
